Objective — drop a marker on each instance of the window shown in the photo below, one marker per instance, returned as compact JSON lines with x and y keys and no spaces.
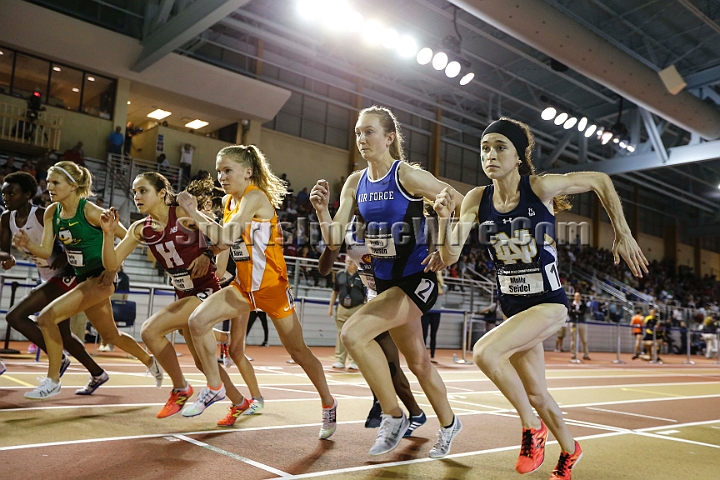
{"x":65,"y":87}
{"x":98,"y":96}
{"x":6,"y":66}
{"x":30,"y":73}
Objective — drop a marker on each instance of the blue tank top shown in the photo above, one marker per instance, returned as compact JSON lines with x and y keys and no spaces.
{"x":522,"y":245}
{"x":395,"y":225}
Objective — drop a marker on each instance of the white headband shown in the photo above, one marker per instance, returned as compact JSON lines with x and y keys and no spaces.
{"x":66,"y":173}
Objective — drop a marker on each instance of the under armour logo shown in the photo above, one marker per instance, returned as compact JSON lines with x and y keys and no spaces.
{"x":507,"y":220}
{"x":531,"y":212}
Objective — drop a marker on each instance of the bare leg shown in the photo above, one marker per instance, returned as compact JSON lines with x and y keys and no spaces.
{"x":230,"y":389}
{"x":236,"y":351}
{"x":400,"y":381}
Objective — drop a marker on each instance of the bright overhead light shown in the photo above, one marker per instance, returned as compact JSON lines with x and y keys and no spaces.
{"x":406,"y":46}
{"x":548,"y":114}
{"x":75,"y":89}
{"x":622,"y":145}
{"x":91,"y":79}
{"x":159,"y":114}
{"x":354,"y":21}
{"x":453,"y":69}
{"x":312,"y":9}
{"x":569,"y":123}
{"x":440,"y":61}
{"x":560,"y":119}
{"x":372,"y":32}
{"x":336,"y":14}
{"x":390,"y":38}
{"x":57,"y":69}
{"x":2,"y":53}
{"x":195,"y":124}
{"x":128,"y":102}
{"x":630,"y":148}
{"x":616,"y":140}
{"x":424,"y":56}
{"x":590,"y":130}
{"x":467,"y":78}
{"x":606,"y":136}
{"x":582,"y":124}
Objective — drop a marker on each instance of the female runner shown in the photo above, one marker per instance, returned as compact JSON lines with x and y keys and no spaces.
{"x":76,"y":222}
{"x":57,"y":276}
{"x":389,"y":194}
{"x":252,"y":233}
{"x":516,"y":214}
{"x":188,"y":262}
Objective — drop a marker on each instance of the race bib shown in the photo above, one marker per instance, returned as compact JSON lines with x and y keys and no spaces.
{"x":381,"y":245}
{"x":182,"y":281}
{"x":75,"y":258}
{"x":369,"y":280}
{"x":239,"y":251}
{"x":521,"y":280}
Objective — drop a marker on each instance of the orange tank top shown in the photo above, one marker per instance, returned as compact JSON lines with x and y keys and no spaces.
{"x":258,"y":253}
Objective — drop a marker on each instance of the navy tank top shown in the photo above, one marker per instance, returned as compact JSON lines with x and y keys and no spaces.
{"x":522,"y":245}
{"x":395,"y":225}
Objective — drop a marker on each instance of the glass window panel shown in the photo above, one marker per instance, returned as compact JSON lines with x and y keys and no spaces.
{"x":270,"y":71}
{"x":453,"y":172}
{"x":337,"y":137}
{"x":30,"y":73}
{"x":6,"y":62}
{"x":292,"y":78}
{"x":294,"y":104}
{"x":287,"y":123}
{"x":314,"y":131}
{"x":340,"y":95}
{"x":419,"y":143}
{"x":65,"y":87}
{"x":471,"y":160}
{"x":469,"y":176}
{"x":98,"y":96}
{"x":314,"y":110}
{"x":338,"y":117}
{"x":454,"y":154}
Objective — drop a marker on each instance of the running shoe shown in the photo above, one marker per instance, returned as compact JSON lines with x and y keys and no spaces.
{"x":205,"y":398}
{"x":256,"y":406}
{"x":154,"y":370}
{"x":445,"y":439}
{"x":415,"y":422}
{"x":3,"y":369}
{"x":64,"y":365}
{"x":329,"y":421}
{"x":46,"y":389}
{"x":176,"y":402}
{"x":32,"y":348}
{"x":93,"y":384}
{"x":563,"y":470}
{"x":233,"y":413}
{"x":353,"y":366}
{"x":338,"y":365}
{"x":532,"y":449}
{"x":374,"y":416}
{"x":390,"y":433}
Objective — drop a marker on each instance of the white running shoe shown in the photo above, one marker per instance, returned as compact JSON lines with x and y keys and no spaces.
{"x":390,"y":433}
{"x":46,"y":389}
{"x":256,"y":406}
{"x":205,"y":398}
{"x":445,"y":438}
{"x":3,"y":369}
{"x":338,"y":365}
{"x":154,"y":370}
{"x":353,"y":366}
{"x":93,"y":384}
{"x":329,"y":421}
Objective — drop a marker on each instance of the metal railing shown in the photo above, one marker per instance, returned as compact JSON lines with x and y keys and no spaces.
{"x":19,"y":125}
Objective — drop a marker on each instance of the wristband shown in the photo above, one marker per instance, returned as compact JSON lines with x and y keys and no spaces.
{"x":209,"y":253}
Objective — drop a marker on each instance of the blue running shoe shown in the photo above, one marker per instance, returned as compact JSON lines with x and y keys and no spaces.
{"x":415,"y":422}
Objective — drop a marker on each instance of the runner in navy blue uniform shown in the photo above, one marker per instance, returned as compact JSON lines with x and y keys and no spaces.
{"x":509,"y":212}
{"x":389,"y":195}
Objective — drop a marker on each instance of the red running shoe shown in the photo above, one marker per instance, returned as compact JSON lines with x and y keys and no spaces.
{"x":563,"y":470}
{"x":532,"y":450}
{"x":175,"y":403}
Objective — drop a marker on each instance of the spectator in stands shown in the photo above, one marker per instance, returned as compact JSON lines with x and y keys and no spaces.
{"x":42,"y":188}
{"x":303,"y":198}
{"x":577,"y":322}
{"x":162,"y":161}
{"x":10,"y":166}
{"x":637,"y":331}
{"x":130,"y":131}
{"x":186,"y":158}
{"x":41,"y":167}
{"x":28,"y":168}
{"x":115,"y":141}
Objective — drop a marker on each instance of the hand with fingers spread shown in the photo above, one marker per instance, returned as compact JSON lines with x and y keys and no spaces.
{"x":109,"y":220}
{"x":199,"y":266}
{"x":626,"y":247}
{"x":445,"y":202}
{"x":187,"y":202}
{"x":320,"y":195}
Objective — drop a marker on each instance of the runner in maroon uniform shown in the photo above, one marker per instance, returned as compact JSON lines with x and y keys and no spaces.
{"x":188,"y":261}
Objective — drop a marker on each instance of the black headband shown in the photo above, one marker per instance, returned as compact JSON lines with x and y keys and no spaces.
{"x":515,"y":134}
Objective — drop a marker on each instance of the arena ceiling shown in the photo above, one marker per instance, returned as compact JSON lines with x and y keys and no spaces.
{"x":590,"y":58}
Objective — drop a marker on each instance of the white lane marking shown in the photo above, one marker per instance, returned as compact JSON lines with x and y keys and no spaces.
{"x":259,"y":465}
{"x":667,"y":432}
{"x":633,"y":414}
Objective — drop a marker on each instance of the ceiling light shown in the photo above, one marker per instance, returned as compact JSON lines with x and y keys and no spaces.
{"x":453,"y":69}
{"x":57,"y":69}
{"x":354,"y":21}
{"x":372,"y":32}
{"x":467,"y":78}
{"x":440,"y":61}
{"x":75,"y":89}
{"x":128,"y":102}
{"x":600,"y":132}
{"x":406,"y":46}
{"x":2,"y":53}
{"x":616,"y":140}
{"x":548,"y":114}
{"x":159,"y":114}
{"x":569,"y":123}
{"x":606,"y":136}
{"x":311,"y":9}
{"x":390,"y":38}
{"x":590,"y":130}
{"x":424,"y":56}
{"x":560,"y":119}
{"x":630,"y":148}
{"x":195,"y":124}
{"x":582,"y":124}
{"x":91,"y":79}
{"x":622,"y":145}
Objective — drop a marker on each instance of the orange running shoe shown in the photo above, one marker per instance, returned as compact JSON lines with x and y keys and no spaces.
{"x":532,"y":450}
{"x":175,"y":402}
{"x":233,"y":413}
{"x":563,"y":470}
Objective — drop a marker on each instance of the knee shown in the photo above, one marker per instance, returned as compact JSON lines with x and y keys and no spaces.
{"x":45,"y":319}
{"x":484,"y":356}
{"x":420,"y":367}
{"x":539,"y":400}
{"x":196,"y":325}
{"x":236,"y":349}
{"x":147,"y":331}
{"x":349,"y":338}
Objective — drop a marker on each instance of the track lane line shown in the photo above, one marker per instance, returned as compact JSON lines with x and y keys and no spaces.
{"x":632,"y":414}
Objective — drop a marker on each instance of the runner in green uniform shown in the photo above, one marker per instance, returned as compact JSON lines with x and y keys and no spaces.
{"x":76,"y":222}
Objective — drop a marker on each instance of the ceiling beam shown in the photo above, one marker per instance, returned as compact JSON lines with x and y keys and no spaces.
{"x":182,"y":28}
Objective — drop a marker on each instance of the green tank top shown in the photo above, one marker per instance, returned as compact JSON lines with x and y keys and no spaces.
{"x":83,"y":242}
